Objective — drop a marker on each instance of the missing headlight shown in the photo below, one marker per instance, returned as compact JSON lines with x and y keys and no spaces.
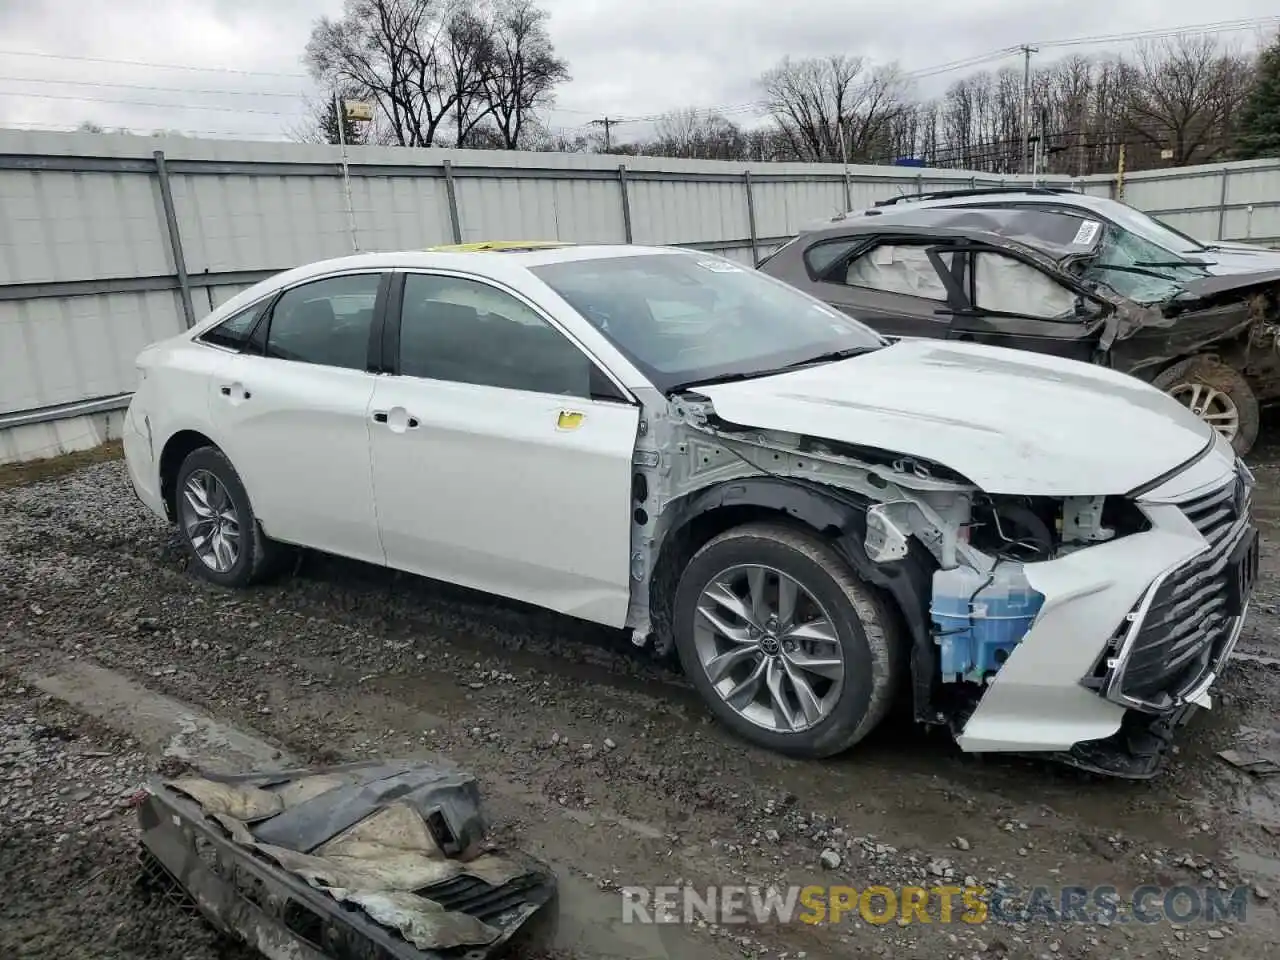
{"x":1013,"y":528}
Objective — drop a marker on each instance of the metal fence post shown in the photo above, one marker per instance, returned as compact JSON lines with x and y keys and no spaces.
{"x":751,"y":218}
{"x":1222,"y":203}
{"x":626,"y":203}
{"x":455,"y":223}
{"x":175,"y":239}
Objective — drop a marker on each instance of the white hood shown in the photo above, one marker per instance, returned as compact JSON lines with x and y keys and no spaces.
{"x":1011,"y":421}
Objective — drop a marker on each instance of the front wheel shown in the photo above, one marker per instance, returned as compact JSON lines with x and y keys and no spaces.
{"x":1217,"y":394}
{"x":788,"y":647}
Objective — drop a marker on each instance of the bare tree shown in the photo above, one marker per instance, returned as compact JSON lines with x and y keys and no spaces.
{"x":697,"y":135}
{"x":424,"y":63}
{"x":1184,"y":94}
{"x":385,"y":50}
{"x":470,"y":56}
{"x":821,"y":103}
{"x":525,"y":71}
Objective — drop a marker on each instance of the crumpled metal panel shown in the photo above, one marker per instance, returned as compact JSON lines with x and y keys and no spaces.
{"x":273,"y":858}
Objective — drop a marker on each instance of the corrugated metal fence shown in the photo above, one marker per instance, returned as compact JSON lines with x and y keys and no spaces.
{"x":110,"y":242}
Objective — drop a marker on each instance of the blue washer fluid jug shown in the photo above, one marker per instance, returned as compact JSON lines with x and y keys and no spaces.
{"x":976,"y":642}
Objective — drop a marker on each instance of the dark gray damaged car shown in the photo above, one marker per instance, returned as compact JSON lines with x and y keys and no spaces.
{"x":1057,"y":282}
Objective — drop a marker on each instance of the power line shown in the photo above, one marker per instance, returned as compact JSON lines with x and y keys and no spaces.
{"x":109,"y":128}
{"x":146,"y":86}
{"x":1220,"y":26}
{"x":144,"y":103}
{"x":150,"y":64}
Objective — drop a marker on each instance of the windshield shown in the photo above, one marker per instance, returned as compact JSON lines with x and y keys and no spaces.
{"x":1153,"y":230}
{"x":687,"y":318}
{"x":1138,"y":269}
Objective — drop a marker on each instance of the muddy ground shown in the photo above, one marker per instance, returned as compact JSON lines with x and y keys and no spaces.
{"x":598,"y":760}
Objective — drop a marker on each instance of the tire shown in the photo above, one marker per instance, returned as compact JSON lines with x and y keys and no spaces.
{"x":1218,"y":390}
{"x":862,"y":628}
{"x":256,"y":556}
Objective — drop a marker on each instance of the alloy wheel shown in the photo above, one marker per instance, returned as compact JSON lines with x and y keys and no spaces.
{"x":211,"y":521}
{"x":1211,"y":405}
{"x":769,"y":648}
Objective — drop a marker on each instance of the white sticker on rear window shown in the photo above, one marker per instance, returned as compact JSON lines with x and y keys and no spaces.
{"x":1085,"y":235}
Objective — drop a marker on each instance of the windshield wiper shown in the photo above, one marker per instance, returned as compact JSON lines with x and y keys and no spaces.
{"x":829,"y":356}
{"x":733,"y":377}
{"x":1124,"y":269}
{"x":1174,"y":263}
{"x":739,"y":375}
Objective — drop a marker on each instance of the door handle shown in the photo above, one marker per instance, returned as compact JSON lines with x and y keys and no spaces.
{"x":384,"y":416}
{"x":228,"y":389}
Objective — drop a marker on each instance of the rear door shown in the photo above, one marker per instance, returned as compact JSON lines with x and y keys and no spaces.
{"x":291,"y":412}
{"x":889,"y":283}
{"x":1005,"y":301}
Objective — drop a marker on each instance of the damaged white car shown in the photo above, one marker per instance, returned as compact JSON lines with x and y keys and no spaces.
{"x":1044,"y":556}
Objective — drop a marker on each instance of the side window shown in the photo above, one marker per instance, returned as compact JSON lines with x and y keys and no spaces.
{"x":899,"y":268}
{"x":233,"y":333}
{"x":465,"y":331}
{"x":820,"y":257}
{"x":1005,"y":285}
{"x":326,"y":322}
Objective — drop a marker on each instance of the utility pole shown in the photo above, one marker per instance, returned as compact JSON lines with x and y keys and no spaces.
{"x":1027,"y":51}
{"x":340,"y":114}
{"x":607,"y":123}
{"x":844,"y":159}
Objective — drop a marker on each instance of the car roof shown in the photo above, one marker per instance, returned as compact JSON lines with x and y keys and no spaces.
{"x":517,"y":258}
{"x":997,"y":197}
{"x":1010,"y":228}
{"x":499,"y":246}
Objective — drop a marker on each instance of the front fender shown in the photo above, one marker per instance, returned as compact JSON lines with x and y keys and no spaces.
{"x":841,"y":517}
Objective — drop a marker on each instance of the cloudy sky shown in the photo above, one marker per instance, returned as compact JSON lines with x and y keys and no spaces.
{"x":60,"y":59}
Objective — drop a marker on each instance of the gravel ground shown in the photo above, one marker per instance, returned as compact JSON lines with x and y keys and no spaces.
{"x":590,"y":755}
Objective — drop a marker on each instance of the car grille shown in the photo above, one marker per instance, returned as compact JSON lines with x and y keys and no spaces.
{"x":1188,"y":623}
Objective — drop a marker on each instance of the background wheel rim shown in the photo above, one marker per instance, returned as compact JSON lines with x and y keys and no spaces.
{"x":769,"y":649}
{"x":211,"y":521}
{"x":1213,"y":406}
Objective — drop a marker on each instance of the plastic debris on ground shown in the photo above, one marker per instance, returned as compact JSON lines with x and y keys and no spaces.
{"x":386,"y":859}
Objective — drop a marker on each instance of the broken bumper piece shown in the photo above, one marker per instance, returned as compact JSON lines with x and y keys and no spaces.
{"x":375,"y":861}
{"x":1137,"y":751}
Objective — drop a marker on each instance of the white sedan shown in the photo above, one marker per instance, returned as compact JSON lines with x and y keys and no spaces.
{"x":1042,"y":555}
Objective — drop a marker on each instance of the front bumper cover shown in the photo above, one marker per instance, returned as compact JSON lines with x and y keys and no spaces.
{"x":1132,"y":634}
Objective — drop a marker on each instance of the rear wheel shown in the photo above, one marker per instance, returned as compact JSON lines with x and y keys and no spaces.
{"x":217,"y":524}
{"x":1218,"y":394}
{"x":788,"y":647}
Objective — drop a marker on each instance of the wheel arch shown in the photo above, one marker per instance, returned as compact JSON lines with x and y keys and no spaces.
{"x":175,"y":451}
{"x":837,"y":517}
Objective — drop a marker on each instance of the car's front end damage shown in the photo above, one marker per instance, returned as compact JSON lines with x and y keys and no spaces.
{"x":1045,"y":616}
{"x":1134,"y":626}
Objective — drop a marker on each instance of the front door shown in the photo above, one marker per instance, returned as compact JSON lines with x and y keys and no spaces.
{"x":1014,"y":304}
{"x":293,"y":419}
{"x":501,"y":454}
